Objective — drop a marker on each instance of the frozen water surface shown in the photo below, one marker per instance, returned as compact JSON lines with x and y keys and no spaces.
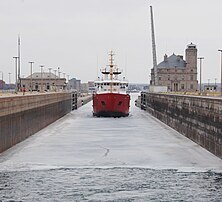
{"x":84,"y":158}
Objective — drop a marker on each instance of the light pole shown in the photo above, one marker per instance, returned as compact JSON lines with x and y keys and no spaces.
{"x":215,"y":88}
{"x":2,"y":80}
{"x":200,"y":58}
{"x":220,"y":72}
{"x":50,"y":71}
{"x":16,"y":81}
{"x":55,"y":79}
{"x":31,"y":63}
{"x":64,"y":76}
{"x":50,"y":82}
{"x":59,"y":72}
{"x":67,"y":81}
{"x":41,"y":66}
{"x":19,"y":64}
{"x":9,"y":78}
{"x":59,"y":78}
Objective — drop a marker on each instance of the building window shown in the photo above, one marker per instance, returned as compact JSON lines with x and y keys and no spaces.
{"x":191,"y":77}
{"x":191,"y":86}
{"x":182,"y":86}
{"x":159,"y":78}
{"x":168,"y":77}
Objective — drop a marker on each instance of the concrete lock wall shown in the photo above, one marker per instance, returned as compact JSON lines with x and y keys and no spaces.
{"x":22,"y":116}
{"x":83,"y":100}
{"x":198,"y":118}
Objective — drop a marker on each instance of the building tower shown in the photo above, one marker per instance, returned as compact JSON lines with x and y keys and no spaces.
{"x":191,"y":67}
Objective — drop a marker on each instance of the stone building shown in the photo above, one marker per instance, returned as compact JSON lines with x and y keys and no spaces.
{"x":2,"y":84}
{"x":43,"y":82}
{"x":74,"y":84}
{"x":178,"y":74}
{"x":84,"y":87}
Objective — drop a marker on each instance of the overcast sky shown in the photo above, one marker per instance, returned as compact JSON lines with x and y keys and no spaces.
{"x":75,"y":34}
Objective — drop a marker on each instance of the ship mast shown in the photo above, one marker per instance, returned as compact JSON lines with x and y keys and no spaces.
{"x":153,"y":48}
{"x":111,"y":70}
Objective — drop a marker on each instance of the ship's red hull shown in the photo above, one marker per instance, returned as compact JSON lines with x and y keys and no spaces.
{"x":111,"y":104}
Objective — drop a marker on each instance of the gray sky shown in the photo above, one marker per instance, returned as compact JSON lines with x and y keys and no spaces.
{"x":72,"y":34}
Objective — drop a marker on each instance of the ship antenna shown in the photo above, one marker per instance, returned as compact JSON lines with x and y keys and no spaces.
{"x":97,"y":66}
{"x":153,"y":48}
{"x":125,"y":65}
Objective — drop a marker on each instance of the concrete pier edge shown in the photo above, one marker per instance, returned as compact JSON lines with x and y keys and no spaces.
{"x":23,"y":116}
{"x":198,"y":118}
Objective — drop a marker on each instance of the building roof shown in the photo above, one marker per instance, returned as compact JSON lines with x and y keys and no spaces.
{"x":44,"y":75}
{"x":172,"y":62}
{"x":191,"y":45}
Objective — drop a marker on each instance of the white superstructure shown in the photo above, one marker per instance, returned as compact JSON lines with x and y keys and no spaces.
{"x":110,"y":81}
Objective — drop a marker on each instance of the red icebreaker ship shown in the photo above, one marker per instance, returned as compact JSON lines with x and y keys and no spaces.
{"x":111,"y":99}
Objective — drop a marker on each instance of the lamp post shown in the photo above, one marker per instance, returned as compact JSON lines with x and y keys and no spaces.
{"x":16,"y":81}
{"x":2,"y":80}
{"x":215,"y":87}
{"x":31,"y":63}
{"x":59,"y":72}
{"x":220,"y":50}
{"x":50,"y":82}
{"x":200,"y":58}
{"x":9,"y":78}
{"x":55,"y":79}
{"x":41,"y":66}
{"x":19,"y":65}
{"x":59,"y":78}
{"x":65,"y":84}
{"x":68,"y":82}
